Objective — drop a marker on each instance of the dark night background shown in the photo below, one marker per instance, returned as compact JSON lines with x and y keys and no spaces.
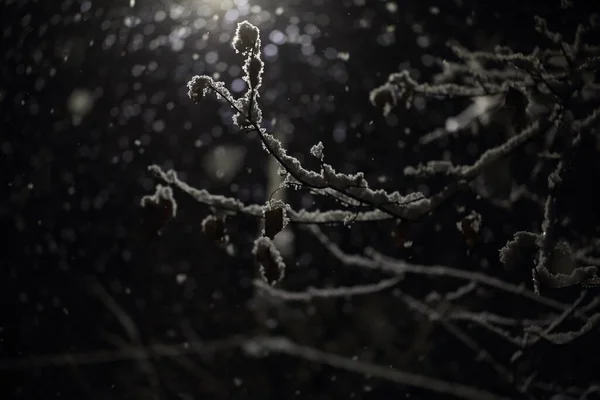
{"x":92,"y":92}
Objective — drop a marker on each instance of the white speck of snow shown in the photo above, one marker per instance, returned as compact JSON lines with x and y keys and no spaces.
{"x":80,"y":102}
{"x":344,"y":56}
{"x":181,"y":278}
{"x":452,"y":125}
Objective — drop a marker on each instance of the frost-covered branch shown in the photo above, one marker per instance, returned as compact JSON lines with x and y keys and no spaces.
{"x":353,"y":186}
{"x":567,"y":337}
{"x":496,"y":319}
{"x":314,"y":293}
{"x":545,"y":93}
{"x":272,"y":266}
{"x":286,"y":346}
{"x":459,"y":334}
{"x":480,"y":109}
{"x":380,"y":262}
{"x":254,"y":210}
{"x":488,"y":158}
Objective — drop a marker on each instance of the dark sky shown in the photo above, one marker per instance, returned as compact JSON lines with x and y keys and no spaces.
{"x":93,"y":92}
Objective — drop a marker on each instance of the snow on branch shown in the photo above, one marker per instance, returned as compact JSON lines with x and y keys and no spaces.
{"x":400,"y":86}
{"x":492,"y":318}
{"x":163,"y":197}
{"x":501,"y":55}
{"x":555,"y":266}
{"x":474,"y":72}
{"x":541,"y":25}
{"x":399,"y":267}
{"x":272,"y":266}
{"x":313,"y":293}
{"x":567,"y":337}
{"x":439,"y":270}
{"x":489,"y":157}
{"x":285,"y":346}
{"x":354,"y":186}
{"x":589,"y":121}
{"x":533,"y":94}
{"x":203,"y":196}
{"x":479,"y":110}
{"x":459,"y":334}
{"x":295,"y":216}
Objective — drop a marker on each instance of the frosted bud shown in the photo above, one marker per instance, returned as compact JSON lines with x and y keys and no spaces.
{"x":516,"y":251}
{"x":317,"y":150}
{"x":383,"y":97}
{"x":159,"y":208}
{"x":198,"y":86}
{"x":253,"y":68}
{"x":275,"y":216}
{"x":271,"y":265}
{"x":163,"y":198}
{"x":470,"y":226}
{"x":246,"y":39}
{"x":404,"y":85}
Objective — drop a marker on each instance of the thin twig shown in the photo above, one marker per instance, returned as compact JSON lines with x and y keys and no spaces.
{"x":285,"y":346}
